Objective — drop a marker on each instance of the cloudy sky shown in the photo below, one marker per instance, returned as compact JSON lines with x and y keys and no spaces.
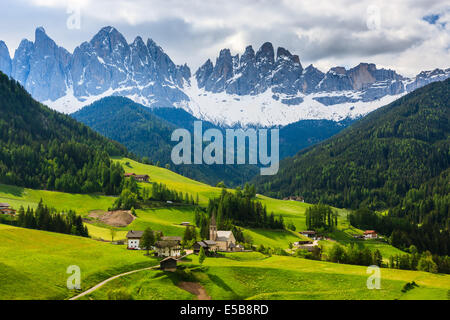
{"x":406,"y":35}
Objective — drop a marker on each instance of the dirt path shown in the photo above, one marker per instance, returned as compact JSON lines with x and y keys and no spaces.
{"x":125,"y":274}
{"x":195,"y":289}
{"x":108,"y":280}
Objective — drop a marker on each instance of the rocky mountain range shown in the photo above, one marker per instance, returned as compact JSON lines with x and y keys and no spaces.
{"x":256,"y":88}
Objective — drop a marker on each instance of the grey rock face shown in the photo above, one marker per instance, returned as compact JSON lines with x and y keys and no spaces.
{"x":310,"y":79}
{"x":329,"y":101}
{"x":252,"y":73}
{"x":21,"y":62}
{"x":426,"y":77}
{"x":5,"y":59}
{"x":106,"y":63}
{"x":255,"y":73}
{"x":222,"y":72}
{"x":335,"y":80}
{"x":48,"y":69}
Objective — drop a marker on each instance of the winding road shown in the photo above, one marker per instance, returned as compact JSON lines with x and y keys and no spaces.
{"x":108,"y":280}
{"x":97,"y":286}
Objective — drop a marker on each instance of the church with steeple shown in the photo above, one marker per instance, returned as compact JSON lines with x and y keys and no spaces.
{"x":225,"y":240}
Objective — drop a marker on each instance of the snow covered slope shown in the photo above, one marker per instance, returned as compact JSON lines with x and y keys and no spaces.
{"x":258,"y":88}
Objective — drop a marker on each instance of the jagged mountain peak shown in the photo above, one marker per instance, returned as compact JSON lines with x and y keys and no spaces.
{"x":5,"y":59}
{"x":263,"y":87}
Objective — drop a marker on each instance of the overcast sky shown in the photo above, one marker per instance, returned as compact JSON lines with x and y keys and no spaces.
{"x":406,"y":35}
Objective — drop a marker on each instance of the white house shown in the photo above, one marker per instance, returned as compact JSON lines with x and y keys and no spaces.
{"x":134,"y":239}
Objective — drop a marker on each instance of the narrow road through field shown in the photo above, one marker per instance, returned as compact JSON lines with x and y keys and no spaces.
{"x":110,"y":279}
{"x":118,"y":276}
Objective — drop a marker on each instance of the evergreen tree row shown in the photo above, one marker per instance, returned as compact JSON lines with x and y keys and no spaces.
{"x":240,"y":209}
{"x":321,"y":217}
{"x":48,"y":219}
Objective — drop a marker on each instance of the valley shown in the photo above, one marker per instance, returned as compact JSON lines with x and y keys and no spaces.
{"x":120,"y":180}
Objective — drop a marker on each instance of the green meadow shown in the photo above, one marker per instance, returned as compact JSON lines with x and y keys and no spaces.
{"x":33,"y":263}
{"x":168,"y":219}
{"x":81,"y":203}
{"x":253,"y":276}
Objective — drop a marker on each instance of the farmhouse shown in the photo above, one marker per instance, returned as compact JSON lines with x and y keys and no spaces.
{"x":209,"y":246}
{"x":134,"y":239}
{"x":142,"y":178}
{"x":168,"y":248}
{"x":168,"y":264}
{"x":171,"y":239}
{"x":4,"y":206}
{"x":294,"y":198}
{"x":5,"y":209}
{"x":370,"y":234}
{"x":138,"y":177}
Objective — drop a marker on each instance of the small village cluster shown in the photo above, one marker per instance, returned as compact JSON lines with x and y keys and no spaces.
{"x":219,"y":241}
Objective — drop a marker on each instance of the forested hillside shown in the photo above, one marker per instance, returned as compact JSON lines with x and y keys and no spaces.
{"x":41,"y":148}
{"x":149,"y":136}
{"x":397,"y":158}
{"x":376,"y":161}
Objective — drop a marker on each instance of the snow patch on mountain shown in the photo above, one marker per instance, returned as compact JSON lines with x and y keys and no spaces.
{"x":263,"y":110}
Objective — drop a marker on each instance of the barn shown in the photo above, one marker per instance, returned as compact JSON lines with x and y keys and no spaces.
{"x":168,"y":264}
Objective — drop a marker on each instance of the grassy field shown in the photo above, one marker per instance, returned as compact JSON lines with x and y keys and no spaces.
{"x":81,"y":203}
{"x":145,"y":285}
{"x":168,"y":219}
{"x":254,"y":276}
{"x":33,"y":263}
{"x":173,"y":180}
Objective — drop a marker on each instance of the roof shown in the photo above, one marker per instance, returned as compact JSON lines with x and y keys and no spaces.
{"x":369,"y":231}
{"x":129,"y":174}
{"x":171,"y":238}
{"x":224,"y":235}
{"x":142,"y":176}
{"x":167,"y":259}
{"x":166,"y":244}
{"x":135,"y":234}
{"x":308,"y":232}
{"x":210,"y":242}
{"x":201,"y":244}
{"x":4,"y":205}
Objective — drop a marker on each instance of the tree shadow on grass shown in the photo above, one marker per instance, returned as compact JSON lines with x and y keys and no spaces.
{"x":221,"y":284}
{"x":12,"y":190}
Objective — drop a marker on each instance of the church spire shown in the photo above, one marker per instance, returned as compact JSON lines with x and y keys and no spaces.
{"x":213,"y":220}
{"x":213,"y":228}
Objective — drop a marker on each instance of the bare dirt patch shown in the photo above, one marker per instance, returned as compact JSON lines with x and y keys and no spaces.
{"x":195,"y":289}
{"x":119,"y":218}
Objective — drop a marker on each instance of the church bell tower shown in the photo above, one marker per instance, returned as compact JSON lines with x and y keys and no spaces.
{"x":213,"y":228}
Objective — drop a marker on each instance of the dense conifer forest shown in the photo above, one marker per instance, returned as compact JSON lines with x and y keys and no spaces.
{"x":392,"y":167}
{"x":44,"y":149}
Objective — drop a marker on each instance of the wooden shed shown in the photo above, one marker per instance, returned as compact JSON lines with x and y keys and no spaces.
{"x":168,"y":264}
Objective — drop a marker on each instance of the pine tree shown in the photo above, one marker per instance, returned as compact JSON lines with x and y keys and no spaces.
{"x":201,"y":256}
